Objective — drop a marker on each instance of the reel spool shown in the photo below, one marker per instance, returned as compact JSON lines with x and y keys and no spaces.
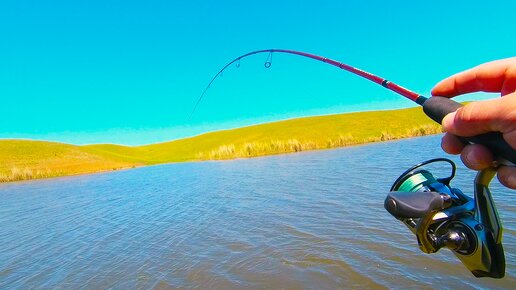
{"x":442,"y":216}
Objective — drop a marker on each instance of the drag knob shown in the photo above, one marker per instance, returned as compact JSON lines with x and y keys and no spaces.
{"x":414,"y":204}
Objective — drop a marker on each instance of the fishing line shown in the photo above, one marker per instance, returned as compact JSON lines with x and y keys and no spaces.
{"x":268,"y":61}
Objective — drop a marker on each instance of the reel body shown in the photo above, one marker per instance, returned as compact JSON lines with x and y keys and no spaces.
{"x":442,"y":216}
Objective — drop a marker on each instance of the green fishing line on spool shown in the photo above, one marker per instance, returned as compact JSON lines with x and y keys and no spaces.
{"x":416,"y":180}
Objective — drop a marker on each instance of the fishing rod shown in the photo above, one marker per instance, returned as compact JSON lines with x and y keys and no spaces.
{"x":439,"y":215}
{"x":434,"y":107}
{"x":385,"y":83}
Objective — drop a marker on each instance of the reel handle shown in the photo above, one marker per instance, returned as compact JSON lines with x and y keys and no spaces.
{"x":416,"y":204}
{"x":438,"y":107}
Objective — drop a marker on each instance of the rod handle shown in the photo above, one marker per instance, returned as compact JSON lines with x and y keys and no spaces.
{"x":438,"y":107}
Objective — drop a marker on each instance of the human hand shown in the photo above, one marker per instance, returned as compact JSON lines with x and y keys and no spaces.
{"x":496,"y":115}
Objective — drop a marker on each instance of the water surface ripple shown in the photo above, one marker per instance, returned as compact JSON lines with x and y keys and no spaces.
{"x":313,"y":220}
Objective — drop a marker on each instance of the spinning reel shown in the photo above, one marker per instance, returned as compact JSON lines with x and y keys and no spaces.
{"x":442,"y":216}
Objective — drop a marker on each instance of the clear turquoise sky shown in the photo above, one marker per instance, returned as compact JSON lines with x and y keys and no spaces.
{"x":129,"y":72}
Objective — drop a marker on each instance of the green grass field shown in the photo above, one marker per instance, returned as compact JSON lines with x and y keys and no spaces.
{"x":24,"y":159}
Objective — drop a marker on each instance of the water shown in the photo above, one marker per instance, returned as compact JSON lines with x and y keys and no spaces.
{"x":311,"y":220}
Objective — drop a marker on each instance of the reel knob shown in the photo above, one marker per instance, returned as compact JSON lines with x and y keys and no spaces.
{"x":415,"y":204}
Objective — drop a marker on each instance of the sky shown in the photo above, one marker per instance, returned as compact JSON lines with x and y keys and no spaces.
{"x":129,"y":72}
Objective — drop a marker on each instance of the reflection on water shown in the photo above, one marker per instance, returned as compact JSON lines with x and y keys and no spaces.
{"x":308,"y":220}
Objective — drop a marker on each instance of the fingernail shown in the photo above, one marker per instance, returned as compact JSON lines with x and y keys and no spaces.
{"x":477,"y":157}
{"x":511,"y":180}
{"x":466,"y":159}
{"x":470,"y":160}
{"x":448,"y":121}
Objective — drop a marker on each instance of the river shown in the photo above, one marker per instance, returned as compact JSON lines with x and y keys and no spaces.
{"x":310,"y":220}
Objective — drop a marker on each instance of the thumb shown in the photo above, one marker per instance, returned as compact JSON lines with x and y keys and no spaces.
{"x":496,"y":115}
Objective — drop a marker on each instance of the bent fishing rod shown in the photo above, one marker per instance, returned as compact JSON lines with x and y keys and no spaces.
{"x":439,"y":215}
{"x":434,"y":107}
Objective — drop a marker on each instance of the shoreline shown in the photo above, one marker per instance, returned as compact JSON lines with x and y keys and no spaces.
{"x":134,"y":166}
{"x":31,"y":159}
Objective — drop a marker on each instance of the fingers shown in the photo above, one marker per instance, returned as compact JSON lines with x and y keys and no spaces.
{"x":476,"y":157}
{"x":451,"y":144}
{"x":477,"y":118}
{"x":495,"y":76}
{"x":496,"y":115}
{"x":507,"y":176}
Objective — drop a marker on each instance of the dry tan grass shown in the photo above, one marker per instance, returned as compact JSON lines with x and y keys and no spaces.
{"x":16,"y":174}
{"x":259,"y":148}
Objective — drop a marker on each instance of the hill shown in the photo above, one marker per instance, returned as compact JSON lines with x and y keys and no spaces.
{"x":26,"y":159}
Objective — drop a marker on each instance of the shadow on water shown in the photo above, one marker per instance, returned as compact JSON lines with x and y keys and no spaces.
{"x":307,"y":220}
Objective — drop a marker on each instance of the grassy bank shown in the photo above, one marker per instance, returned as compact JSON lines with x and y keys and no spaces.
{"x":23,"y":159}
